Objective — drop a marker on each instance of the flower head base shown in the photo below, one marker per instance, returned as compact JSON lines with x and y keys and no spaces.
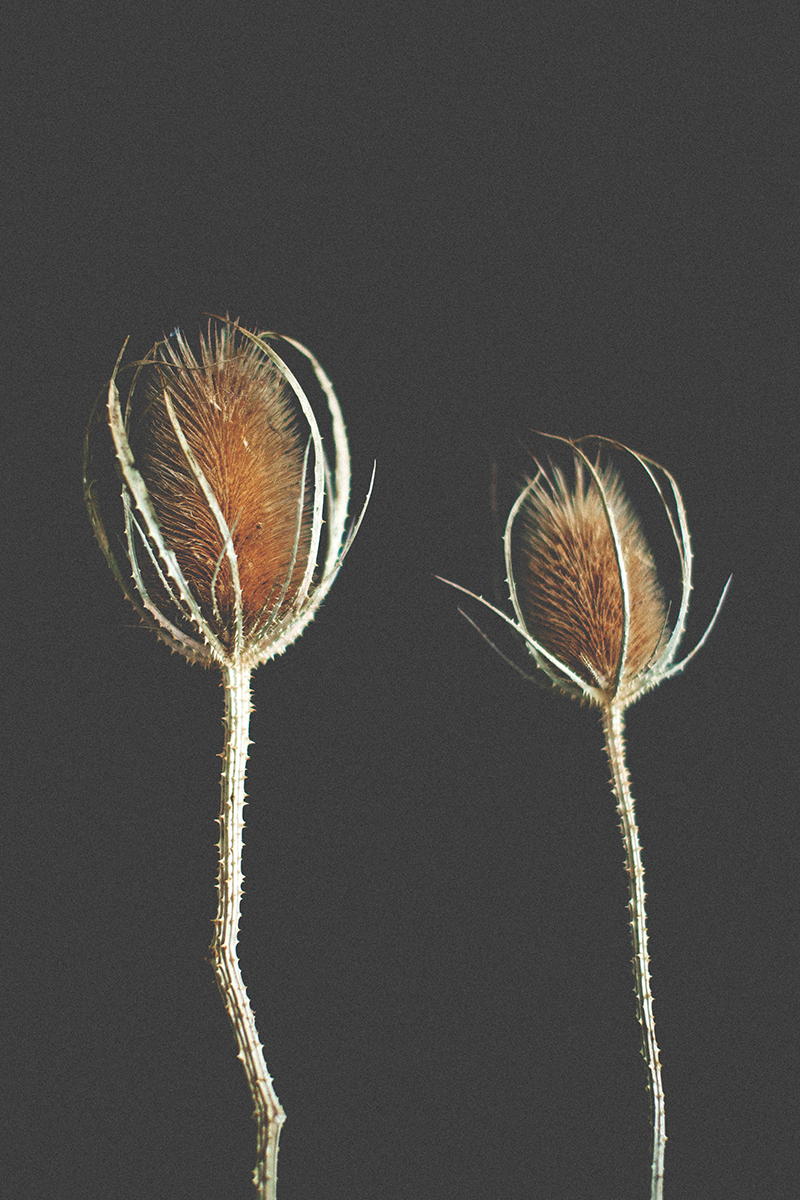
{"x":584,"y":585}
{"x":223,"y":496}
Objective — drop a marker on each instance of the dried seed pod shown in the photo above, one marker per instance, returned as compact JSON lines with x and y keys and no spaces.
{"x":581,"y":548}
{"x":585,"y":589}
{"x":240,"y":427}
{"x":584,"y":583}
{"x":224,"y":495}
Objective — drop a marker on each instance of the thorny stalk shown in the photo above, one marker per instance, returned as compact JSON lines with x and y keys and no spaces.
{"x":267,"y":1112}
{"x":613,"y":719}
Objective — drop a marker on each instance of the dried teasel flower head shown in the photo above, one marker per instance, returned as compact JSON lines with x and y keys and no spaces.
{"x":225,"y":491}
{"x":584,"y":584}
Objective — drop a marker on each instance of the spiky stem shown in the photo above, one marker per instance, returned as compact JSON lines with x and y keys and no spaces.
{"x":613,"y":728}
{"x":267,"y":1111}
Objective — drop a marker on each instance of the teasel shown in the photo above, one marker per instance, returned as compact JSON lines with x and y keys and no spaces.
{"x":223,"y":505}
{"x":589,"y":606}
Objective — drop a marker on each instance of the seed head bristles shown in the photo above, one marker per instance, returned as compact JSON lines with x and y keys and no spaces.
{"x":584,"y":585}
{"x":224,"y":498}
{"x":584,"y":565}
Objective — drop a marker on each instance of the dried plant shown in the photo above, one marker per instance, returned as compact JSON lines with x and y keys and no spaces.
{"x":589,"y":606}
{"x":223,"y":505}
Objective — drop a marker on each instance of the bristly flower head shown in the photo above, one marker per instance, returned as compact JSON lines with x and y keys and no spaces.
{"x":224,"y":496}
{"x":583,"y":581}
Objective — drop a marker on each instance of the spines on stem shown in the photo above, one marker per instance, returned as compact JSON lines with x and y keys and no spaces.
{"x":613,"y":728}
{"x":267,"y":1111}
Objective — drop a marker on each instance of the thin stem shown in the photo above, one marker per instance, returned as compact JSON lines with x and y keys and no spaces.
{"x":613,"y":728}
{"x":267,"y":1111}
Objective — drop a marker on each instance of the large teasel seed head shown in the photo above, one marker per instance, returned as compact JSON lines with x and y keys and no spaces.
{"x":584,"y":583}
{"x":241,"y":428}
{"x":225,"y":491}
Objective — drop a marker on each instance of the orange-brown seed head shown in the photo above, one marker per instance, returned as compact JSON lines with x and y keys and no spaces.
{"x":583,"y":583}
{"x":234,"y":520}
{"x":570,"y":581}
{"x":234,"y":412}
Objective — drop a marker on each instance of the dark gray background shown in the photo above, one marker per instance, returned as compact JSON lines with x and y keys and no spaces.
{"x":484,"y":218}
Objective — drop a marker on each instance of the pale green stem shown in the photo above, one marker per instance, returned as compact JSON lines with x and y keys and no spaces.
{"x":267,"y":1111}
{"x":613,"y":728}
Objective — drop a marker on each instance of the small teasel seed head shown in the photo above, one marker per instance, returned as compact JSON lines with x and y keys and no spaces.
{"x":570,"y":579}
{"x":583,"y":583}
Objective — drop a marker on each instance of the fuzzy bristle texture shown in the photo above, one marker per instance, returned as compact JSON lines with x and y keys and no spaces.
{"x":570,"y":585}
{"x":235,"y":414}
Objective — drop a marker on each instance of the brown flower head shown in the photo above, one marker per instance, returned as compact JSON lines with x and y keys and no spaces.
{"x":223,"y":496}
{"x":583,"y":581}
{"x":571,"y":579}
